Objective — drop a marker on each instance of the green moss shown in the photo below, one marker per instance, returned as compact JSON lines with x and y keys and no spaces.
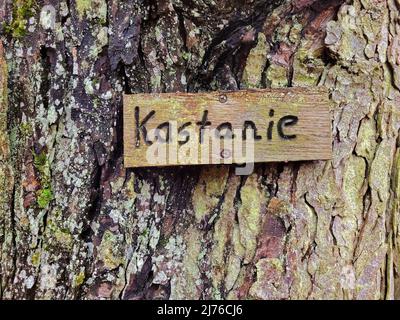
{"x":79,"y":279}
{"x":26,"y":129}
{"x":3,"y":89}
{"x":277,"y":265}
{"x":22,"y":11}
{"x":44,"y":197}
{"x":4,"y":143}
{"x":277,"y":76}
{"x":82,"y":6}
{"x":209,"y":190}
{"x":45,"y":194}
{"x":250,"y":216}
{"x":92,"y":9}
{"x":130,"y":188}
{"x":379,"y":178}
{"x":61,"y":234}
{"x":36,"y":259}
{"x":366,"y":141}
{"x":187,"y":284}
{"x":109,"y":251}
{"x":308,"y":66}
{"x":255,"y":63}
{"x":353,"y":181}
{"x":39,"y":159}
{"x":186,"y":56}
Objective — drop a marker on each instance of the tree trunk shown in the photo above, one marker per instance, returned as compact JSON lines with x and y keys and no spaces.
{"x":75,"y":224}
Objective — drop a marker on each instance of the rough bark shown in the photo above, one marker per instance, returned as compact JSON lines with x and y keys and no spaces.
{"x":74,"y":224}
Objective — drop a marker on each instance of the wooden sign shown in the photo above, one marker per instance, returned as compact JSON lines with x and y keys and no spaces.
{"x":227,"y":127}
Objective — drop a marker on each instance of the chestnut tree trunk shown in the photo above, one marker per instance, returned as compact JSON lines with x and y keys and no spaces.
{"x":76,"y":224}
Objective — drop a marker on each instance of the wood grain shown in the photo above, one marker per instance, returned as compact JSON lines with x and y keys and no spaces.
{"x":307,"y":139}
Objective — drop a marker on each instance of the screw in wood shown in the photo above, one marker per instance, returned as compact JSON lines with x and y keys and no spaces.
{"x":223,"y":98}
{"x":226,"y":154}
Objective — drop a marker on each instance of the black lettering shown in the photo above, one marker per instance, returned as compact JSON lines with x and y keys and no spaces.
{"x":162,"y":126}
{"x":227,"y":126}
{"x":252,"y":125}
{"x":271,"y":125}
{"x":184,"y":133}
{"x":270,"y":128}
{"x":141,"y":126}
{"x":203,"y":123}
{"x":286,"y":122}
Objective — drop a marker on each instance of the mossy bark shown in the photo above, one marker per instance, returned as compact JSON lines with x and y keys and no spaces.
{"x":75,"y":224}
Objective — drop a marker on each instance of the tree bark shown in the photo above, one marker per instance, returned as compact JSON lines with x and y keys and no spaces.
{"x":75,"y":224}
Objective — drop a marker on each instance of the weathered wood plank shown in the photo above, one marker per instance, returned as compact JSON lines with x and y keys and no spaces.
{"x":286,"y":125}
